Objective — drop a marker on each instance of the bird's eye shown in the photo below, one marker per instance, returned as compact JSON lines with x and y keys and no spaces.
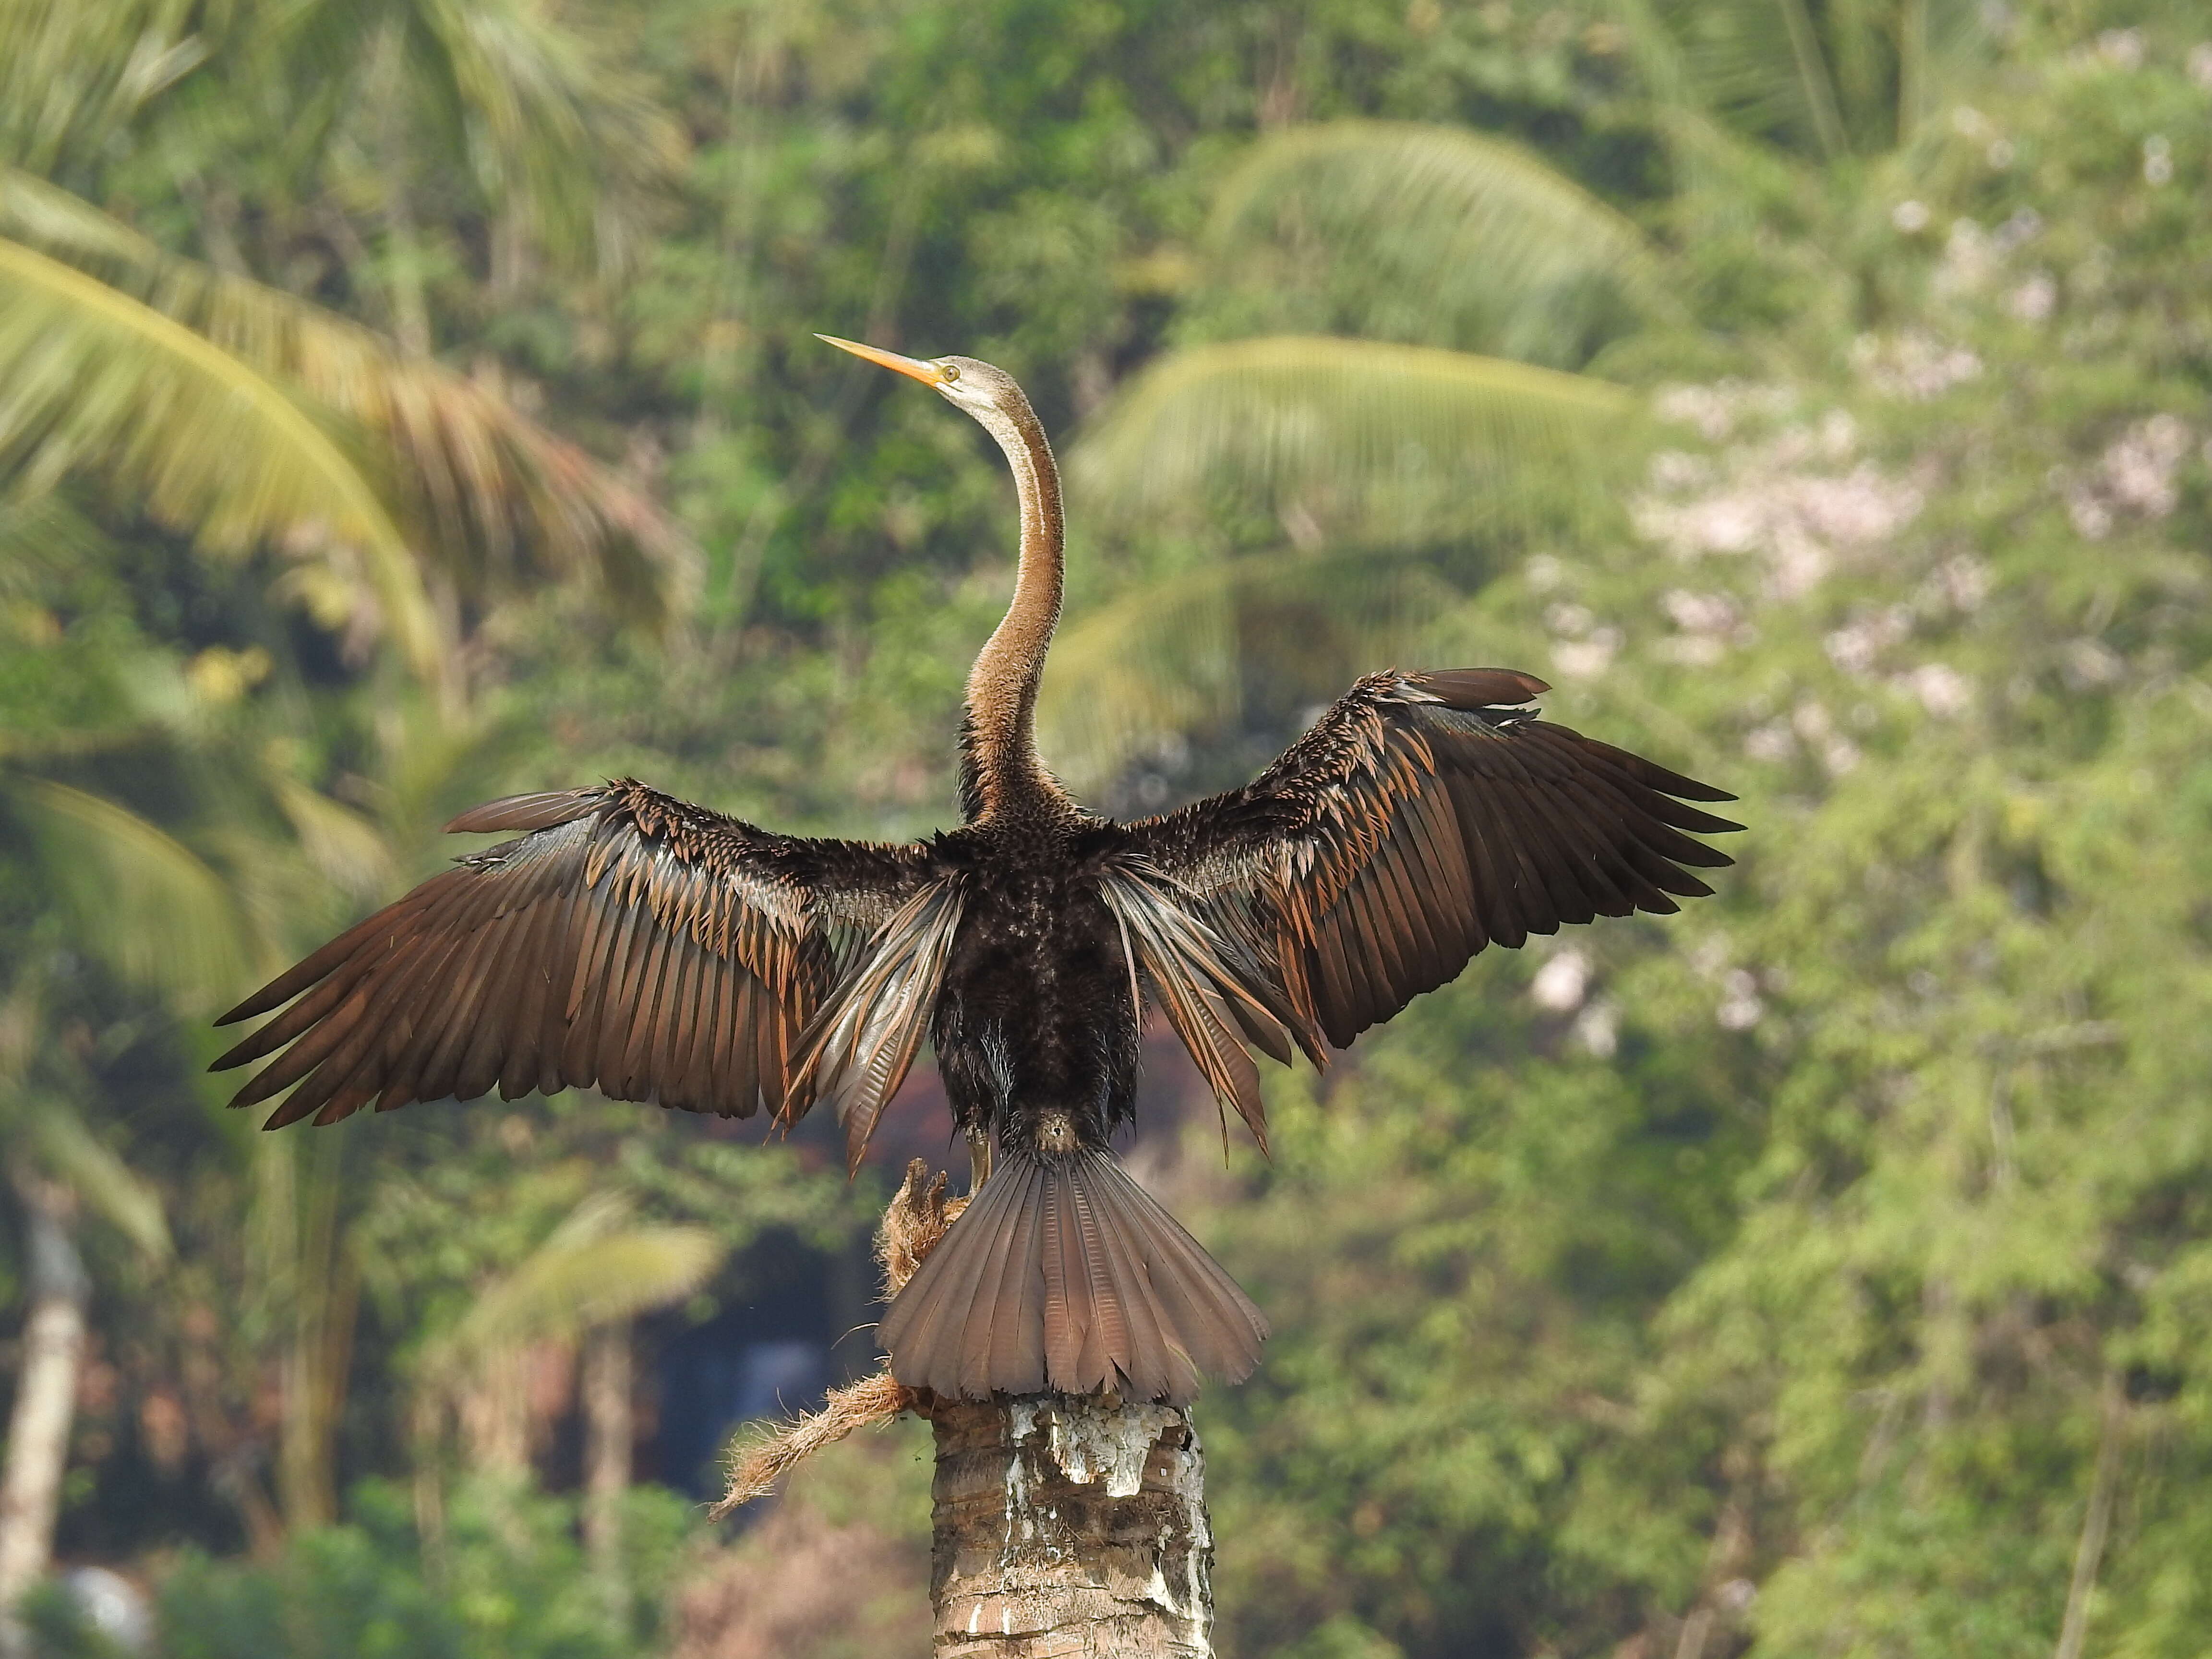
{"x":950,"y":371}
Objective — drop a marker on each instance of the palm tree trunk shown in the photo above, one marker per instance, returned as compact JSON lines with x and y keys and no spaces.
{"x":494,"y":1415}
{"x":315,"y":1365}
{"x":45,"y":1398}
{"x":310,"y":1285}
{"x":1070,"y":1526}
{"x":607,"y":1435}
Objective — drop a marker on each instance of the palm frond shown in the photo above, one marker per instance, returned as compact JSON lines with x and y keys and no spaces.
{"x":1815,"y":81}
{"x":93,"y":381}
{"x":1860,"y":48}
{"x":559,"y":142}
{"x":1761,"y":64}
{"x":556,"y":133}
{"x":1174,"y":657}
{"x":89,"y":1168}
{"x":1732,"y":180}
{"x":71,"y":75}
{"x":1854,"y":76}
{"x":1444,"y":234}
{"x":1946,"y":48}
{"x":42,"y":534}
{"x":597,"y":1267}
{"x":1161,"y":659}
{"x":1370,"y":441}
{"x":135,"y":897}
{"x":345,"y":848}
{"x":497,"y":502}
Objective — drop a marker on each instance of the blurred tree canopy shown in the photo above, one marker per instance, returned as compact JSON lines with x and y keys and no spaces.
{"x":405,"y":403}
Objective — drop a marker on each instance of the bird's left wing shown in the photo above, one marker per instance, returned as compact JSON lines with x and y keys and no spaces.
{"x":1424,"y":817}
{"x":626,"y":940}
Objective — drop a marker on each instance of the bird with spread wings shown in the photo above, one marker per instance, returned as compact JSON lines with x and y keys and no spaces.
{"x":630,"y":942}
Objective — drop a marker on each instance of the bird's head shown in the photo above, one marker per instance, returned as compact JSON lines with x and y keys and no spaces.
{"x":976,"y":387}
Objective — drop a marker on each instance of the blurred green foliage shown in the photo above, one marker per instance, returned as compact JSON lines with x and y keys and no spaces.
{"x":1827,"y":1269}
{"x":509,"y":1584}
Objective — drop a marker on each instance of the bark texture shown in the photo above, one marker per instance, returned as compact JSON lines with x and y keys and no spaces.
{"x":1069,"y":1529}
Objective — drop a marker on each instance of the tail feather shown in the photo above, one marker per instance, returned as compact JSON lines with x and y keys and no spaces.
{"x":1017,"y":1325}
{"x":1216,"y":1345}
{"x":1088,"y":1246}
{"x":971,"y":1278}
{"x":1150,"y":1343}
{"x":997,"y":1296}
{"x":1064,"y":1275}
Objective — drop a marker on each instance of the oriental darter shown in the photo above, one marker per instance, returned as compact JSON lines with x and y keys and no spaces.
{"x":630,"y":942}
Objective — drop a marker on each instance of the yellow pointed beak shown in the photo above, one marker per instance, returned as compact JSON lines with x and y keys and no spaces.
{"x":927,"y":373}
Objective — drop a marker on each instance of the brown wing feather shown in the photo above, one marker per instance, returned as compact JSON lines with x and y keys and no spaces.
{"x":1424,"y":817}
{"x":627,"y":940}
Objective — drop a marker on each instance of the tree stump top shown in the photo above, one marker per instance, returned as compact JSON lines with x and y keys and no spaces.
{"x":1069,"y":1527}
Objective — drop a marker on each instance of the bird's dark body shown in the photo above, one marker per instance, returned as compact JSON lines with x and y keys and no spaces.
{"x":656,"y":951}
{"x":1035,"y":1036}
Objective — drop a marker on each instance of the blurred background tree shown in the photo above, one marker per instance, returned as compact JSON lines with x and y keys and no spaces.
{"x":403,"y":403}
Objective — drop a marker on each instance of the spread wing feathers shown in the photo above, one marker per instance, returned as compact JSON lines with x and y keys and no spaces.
{"x":858,"y":1048}
{"x":1211,"y":979}
{"x":1065,"y":1275}
{"x":1422,"y":818}
{"x":627,"y":940}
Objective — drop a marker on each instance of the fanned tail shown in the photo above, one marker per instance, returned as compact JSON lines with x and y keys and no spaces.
{"x":1064,"y":1275}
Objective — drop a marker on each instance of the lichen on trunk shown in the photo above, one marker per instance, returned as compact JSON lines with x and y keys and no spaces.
{"x":1069,"y":1527}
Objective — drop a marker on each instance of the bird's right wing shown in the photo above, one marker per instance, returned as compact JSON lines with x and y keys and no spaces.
{"x":627,"y":940}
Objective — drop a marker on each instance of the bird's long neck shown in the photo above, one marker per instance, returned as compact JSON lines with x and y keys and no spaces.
{"x":1001,"y":776}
